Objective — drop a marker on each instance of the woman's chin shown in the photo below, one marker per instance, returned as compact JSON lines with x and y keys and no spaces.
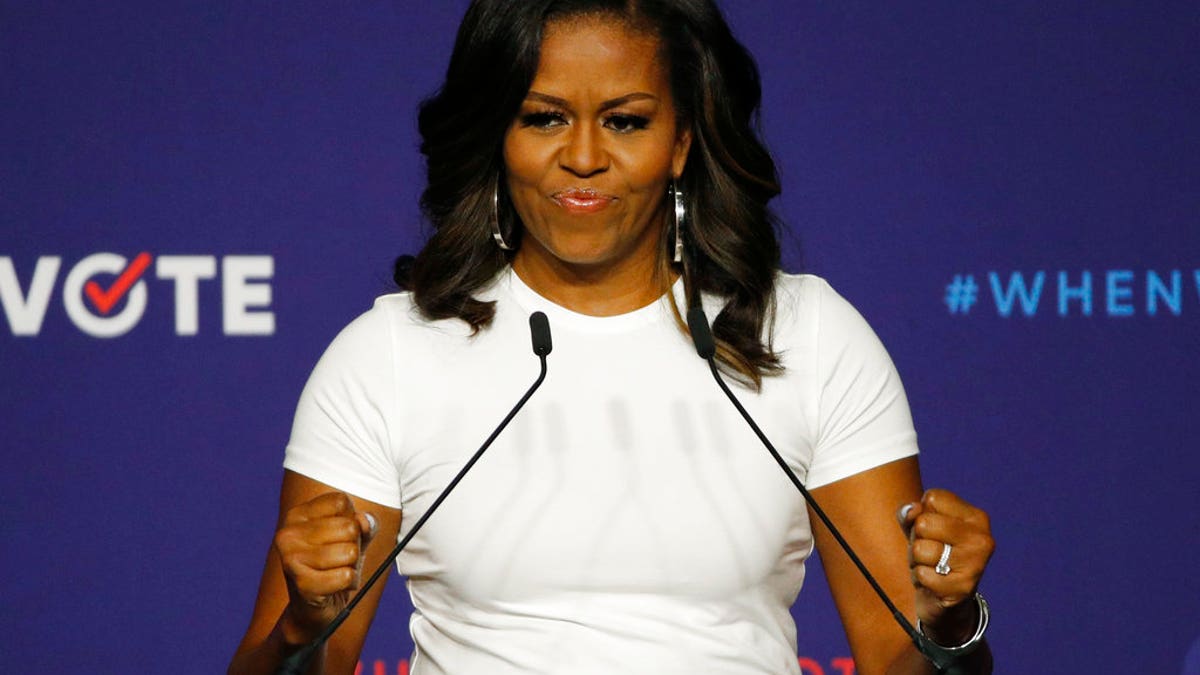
{"x":588,"y":254}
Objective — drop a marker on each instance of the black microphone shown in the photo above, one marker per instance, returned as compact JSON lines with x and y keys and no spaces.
{"x":706,"y":348}
{"x":539,"y":330}
{"x":701,"y":335}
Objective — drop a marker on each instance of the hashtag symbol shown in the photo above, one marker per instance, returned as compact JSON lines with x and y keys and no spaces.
{"x":961,"y":294}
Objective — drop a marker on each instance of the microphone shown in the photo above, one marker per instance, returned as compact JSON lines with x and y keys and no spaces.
{"x":539,"y":331}
{"x":702,"y":338}
{"x":701,"y":335}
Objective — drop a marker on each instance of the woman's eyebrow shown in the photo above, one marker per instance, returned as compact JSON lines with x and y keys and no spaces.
{"x":607,"y":105}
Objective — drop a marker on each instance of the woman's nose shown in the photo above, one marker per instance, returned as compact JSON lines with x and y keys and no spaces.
{"x":584,"y":153}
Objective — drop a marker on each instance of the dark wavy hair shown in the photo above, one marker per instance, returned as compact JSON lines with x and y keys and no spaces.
{"x":731,"y":247}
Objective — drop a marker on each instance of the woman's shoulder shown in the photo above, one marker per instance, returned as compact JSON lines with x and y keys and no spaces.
{"x":791,"y":287}
{"x":809,"y":297}
{"x":808,"y":308}
{"x":398,"y":315}
{"x":392,"y":323}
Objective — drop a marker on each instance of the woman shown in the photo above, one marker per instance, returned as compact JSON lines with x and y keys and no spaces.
{"x":627,"y":520}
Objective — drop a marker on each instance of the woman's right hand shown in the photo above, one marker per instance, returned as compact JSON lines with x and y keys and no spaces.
{"x":321,"y":544}
{"x":312,"y":570}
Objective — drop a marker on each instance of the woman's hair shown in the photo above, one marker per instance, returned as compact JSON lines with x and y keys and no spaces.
{"x":731,"y":248}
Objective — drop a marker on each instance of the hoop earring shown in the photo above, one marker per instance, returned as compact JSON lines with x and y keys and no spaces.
{"x":680,"y":214}
{"x":495,"y":219}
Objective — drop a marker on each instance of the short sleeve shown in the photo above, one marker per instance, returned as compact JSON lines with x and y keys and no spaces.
{"x":340,"y":434}
{"x":863,"y":415}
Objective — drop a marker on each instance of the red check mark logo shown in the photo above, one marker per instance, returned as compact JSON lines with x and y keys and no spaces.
{"x":106,"y":300}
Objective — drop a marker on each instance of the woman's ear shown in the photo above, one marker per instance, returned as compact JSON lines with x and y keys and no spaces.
{"x":683,"y":144}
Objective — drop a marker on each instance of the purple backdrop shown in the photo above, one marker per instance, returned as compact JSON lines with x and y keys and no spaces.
{"x":1008,"y":193}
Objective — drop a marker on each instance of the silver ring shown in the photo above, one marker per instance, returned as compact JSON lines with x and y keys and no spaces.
{"x":943,"y":565}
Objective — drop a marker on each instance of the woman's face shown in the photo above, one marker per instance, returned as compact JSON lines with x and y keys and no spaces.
{"x":592,"y":150}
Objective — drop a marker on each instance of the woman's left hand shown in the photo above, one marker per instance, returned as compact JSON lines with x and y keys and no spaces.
{"x":943,"y":523}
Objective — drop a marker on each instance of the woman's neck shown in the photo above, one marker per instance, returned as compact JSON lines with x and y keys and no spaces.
{"x":594,"y":290}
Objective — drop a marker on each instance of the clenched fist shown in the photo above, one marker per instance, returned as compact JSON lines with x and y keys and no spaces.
{"x":321,"y":544}
{"x":950,"y":543}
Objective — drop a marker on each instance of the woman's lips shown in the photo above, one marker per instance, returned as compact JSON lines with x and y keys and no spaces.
{"x":582,"y":201}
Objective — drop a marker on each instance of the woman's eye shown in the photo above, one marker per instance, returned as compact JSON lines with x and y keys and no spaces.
{"x":626,"y":123}
{"x":542,"y":120}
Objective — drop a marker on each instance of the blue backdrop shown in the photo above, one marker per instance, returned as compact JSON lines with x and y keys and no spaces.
{"x":1007,"y":192}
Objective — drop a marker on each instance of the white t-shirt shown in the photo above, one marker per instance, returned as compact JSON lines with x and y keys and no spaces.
{"x":627,"y":520}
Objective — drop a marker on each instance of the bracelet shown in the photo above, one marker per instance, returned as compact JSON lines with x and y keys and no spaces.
{"x":973,"y":643}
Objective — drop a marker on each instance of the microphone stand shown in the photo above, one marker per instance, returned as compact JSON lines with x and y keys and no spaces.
{"x":540,"y":331}
{"x":945,"y":662}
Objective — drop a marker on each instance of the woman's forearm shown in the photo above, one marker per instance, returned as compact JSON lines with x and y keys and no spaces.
{"x":266,"y":658}
{"x":911,"y":662}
